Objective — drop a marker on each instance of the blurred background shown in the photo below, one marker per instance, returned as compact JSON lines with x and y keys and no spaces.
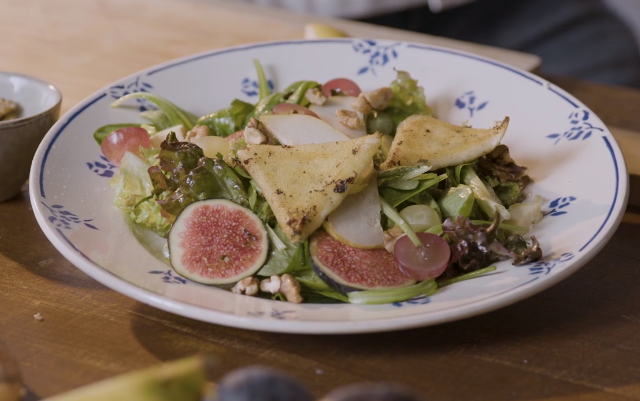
{"x":594,"y":40}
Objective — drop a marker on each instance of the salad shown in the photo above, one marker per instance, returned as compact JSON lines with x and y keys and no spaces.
{"x":322,"y":192}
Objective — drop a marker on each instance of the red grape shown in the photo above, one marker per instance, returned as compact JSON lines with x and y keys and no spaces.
{"x":343,"y":85}
{"x":422,"y":262}
{"x":127,"y":139}
{"x":292,"y":108}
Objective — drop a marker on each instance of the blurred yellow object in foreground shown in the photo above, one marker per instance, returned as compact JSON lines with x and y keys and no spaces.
{"x":322,"y":31}
{"x":183,"y":380}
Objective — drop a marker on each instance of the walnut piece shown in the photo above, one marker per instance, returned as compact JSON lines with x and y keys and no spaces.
{"x":362,"y":105}
{"x":290,"y":288}
{"x":373,"y":100}
{"x":257,"y":133}
{"x":315,"y":96}
{"x":349,"y":119}
{"x":7,"y":108}
{"x":390,"y":237}
{"x":379,"y":99}
{"x":198,"y":131}
{"x":271,"y":284}
{"x":247,"y":286}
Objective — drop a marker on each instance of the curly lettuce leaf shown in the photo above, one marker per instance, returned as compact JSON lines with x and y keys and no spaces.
{"x":506,"y":177}
{"x":408,"y":99}
{"x":184,"y":176}
{"x":133,"y":188}
{"x":474,"y":246}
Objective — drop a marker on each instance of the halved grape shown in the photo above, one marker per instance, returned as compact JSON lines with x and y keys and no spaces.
{"x":423,"y":262}
{"x":420,"y":217}
{"x":128,"y":139}
{"x":343,"y":85}
{"x":292,"y":108}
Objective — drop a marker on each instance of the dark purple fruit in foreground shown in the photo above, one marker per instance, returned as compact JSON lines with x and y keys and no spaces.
{"x":372,"y":392}
{"x":257,"y":383}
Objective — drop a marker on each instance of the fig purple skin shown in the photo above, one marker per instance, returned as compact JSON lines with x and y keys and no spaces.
{"x":372,"y":392}
{"x":258,"y":383}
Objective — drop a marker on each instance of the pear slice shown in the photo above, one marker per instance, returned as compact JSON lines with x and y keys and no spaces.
{"x":426,"y":140}
{"x":327,"y":113}
{"x":300,"y":129}
{"x":304,"y":183}
{"x":322,"y":31}
{"x":356,"y":222}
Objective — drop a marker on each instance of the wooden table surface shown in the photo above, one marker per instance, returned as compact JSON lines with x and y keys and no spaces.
{"x":579,"y":340}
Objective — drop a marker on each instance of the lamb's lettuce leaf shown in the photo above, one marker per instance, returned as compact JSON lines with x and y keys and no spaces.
{"x":457,"y":202}
{"x":486,"y":199}
{"x":174,"y":114}
{"x":396,"y":196}
{"x":227,"y":121}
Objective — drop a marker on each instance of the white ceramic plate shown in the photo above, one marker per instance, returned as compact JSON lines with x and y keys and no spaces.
{"x":573,"y":158}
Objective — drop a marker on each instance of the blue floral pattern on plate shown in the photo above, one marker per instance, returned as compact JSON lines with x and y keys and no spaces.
{"x":580,"y":128}
{"x":168,"y":277}
{"x":560,"y":203}
{"x":249,"y":86}
{"x":544,"y":267}
{"x":379,"y":55}
{"x":103,"y":167}
{"x":62,"y":218}
{"x":117,"y":91}
{"x":276,"y":314}
{"x":468,"y":101}
{"x":414,"y":301}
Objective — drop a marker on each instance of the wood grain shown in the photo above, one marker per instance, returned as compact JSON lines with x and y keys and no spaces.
{"x":579,"y":340}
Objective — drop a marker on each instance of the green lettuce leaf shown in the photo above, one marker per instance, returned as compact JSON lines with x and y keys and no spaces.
{"x":457,"y":202}
{"x":133,"y":188}
{"x":174,"y":114}
{"x":298,"y":95}
{"x":485,"y":198}
{"x":188,"y":176}
{"x":227,"y":121}
{"x":396,"y":196}
{"x":408,"y":99}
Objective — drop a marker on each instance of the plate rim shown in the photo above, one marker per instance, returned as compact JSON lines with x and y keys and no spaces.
{"x":182,"y":308}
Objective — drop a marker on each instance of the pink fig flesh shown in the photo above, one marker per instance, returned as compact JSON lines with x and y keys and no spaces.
{"x":216,"y":241}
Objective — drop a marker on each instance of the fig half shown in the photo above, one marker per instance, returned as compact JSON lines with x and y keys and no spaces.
{"x":216,"y":241}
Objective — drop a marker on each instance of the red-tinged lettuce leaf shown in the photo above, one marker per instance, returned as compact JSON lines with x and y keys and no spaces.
{"x":474,"y":247}
{"x":185,"y":175}
{"x":505,"y":176}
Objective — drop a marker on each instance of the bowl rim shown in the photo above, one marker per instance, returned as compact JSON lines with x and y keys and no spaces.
{"x":27,"y":119}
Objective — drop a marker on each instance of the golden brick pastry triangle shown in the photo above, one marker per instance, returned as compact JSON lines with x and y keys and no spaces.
{"x":304,"y":183}
{"x":426,"y":140}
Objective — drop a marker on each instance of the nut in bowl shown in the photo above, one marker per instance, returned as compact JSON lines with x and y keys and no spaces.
{"x":28,"y":108}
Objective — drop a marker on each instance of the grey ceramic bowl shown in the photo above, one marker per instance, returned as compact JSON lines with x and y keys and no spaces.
{"x":39,"y":104}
